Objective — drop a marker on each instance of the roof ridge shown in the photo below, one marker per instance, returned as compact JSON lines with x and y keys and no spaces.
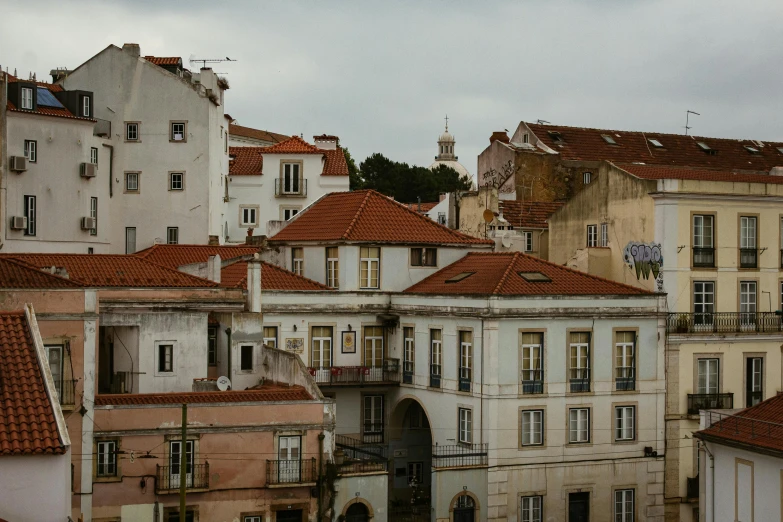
{"x":357,"y":215}
{"x":505,"y":275}
{"x":19,"y":262}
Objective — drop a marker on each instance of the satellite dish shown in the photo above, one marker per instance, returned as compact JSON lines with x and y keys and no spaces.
{"x":506,"y":241}
{"x":489,"y":216}
{"x":223,"y":383}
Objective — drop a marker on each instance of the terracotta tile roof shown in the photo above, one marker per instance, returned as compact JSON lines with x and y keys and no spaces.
{"x":293,"y":145}
{"x":497,"y":273}
{"x":531,"y":214}
{"x":666,"y":172}
{"x":174,"y":256}
{"x":334,"y":163}
{"x":247,"y":132}
{"x":760,"y":426}
{"x":164,"y":60}
{"x":245,"y":161}
{"x":51,"y":86}
{"x":265,"y":393}
{"x":273,"y":277}
{"x":27,"y":420}
{"x":421,"y":207}
{"x":60,"y":112}
{"x":14,"y":274}
{"x":109,"y":270}
{"x":368,"y":216}
{"x":678,"y":149}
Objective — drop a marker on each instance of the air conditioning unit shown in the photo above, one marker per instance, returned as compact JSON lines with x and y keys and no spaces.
{"x":18,"y":163}
{"x":18,"y":223}
{"x":88,"y":223}
{"x":88,"y":170}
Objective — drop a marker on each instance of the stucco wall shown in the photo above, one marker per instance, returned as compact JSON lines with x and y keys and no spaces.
{"x":35,"y":487}
{"x":372,"y":490}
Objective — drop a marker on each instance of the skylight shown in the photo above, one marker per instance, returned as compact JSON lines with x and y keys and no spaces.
{"x":752,"y":150}
{"x":608,"y":139}
{"x":535,"y":277}
{"x":459,"y":277}
{"x":655,"y":142}
{"x":780,"y":149}
{"x":703,"y":146}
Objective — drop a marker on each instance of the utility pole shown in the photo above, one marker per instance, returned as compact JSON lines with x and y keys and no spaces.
{"x":183,"y":463}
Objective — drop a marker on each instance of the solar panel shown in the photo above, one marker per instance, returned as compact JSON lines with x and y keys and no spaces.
{"x":47,"y":99}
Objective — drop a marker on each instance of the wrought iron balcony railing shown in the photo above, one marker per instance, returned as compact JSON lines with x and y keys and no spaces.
{"x":579,"y":380}
{"x":407,"y":372}
{"x":67,"y":392}
{"x":749,"y":258}
{"x":709,"y":401}
{"x":464,"y":379}
{"x":434,"y":375}
{"x":460,"y":455}
{"x":389,"y":373}
{"x":625,"y":379}
{"x":372,"y":432}
{"x":291,"y":189}
{"x":724,"y":322}
{"x":301,"y":471}
{"x":703,"y":257}
{"x":168,"y":477}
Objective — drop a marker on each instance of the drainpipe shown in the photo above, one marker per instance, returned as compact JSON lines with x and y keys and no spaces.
{"x":321,"y":437}
{"x":230,"y":375}
{"x":111,"y":169}
{"x":481,"y":388}
{"x":712,"y":466}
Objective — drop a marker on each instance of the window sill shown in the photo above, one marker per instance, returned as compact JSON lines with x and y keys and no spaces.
{"x":100,"y":480}
{"x":132,"y":141}
{"x":625,"y":392}
{"x":625,"y":442}
{"x":529,"y":447}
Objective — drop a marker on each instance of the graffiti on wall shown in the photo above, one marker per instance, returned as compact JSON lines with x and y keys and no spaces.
{"x":644,"y":258}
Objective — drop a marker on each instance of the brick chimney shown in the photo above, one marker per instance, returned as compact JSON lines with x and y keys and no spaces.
{"x":132,"y":48}
{"x":499,"y":136}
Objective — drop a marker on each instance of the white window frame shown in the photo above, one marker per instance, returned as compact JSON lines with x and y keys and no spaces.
{"x":436,"y":352}
{"x":465,"y":426}
{"x":31,"y":213}
{"x":625,"y":356}
{"x":94,"y":215}
{"x":465,"y":353}
{"x":94,"y":155}
{"x":532,"y":427}
{"x":703,"y":231}
{"x":248,"y":216}
{"x":131,"y":131}
{"x":173,"y":135}
{"x":132,"y":187}
{"x":297,"y":263}
{"x":370,"y":265}
{"x":748,"y":302}
{"x":168,"y":359}
{"x":289,"y":212}
{"x":86,"y":106}
{"x":374,"y":422}
{"x":708,"y":376}
{"x":333,"y":267}
{"x":624,"y":423}
{"x":578,"y":425}
{"x":128,"y":232}
{"x":176,"y":185}
{"x":748,"y":231}
{"x":27,"y":98}
{"x":604,"y":234}
{"x":322,"y":345}
{"x":172,"y":235}
{"x":106,"y":458}
{"x":527,"y":241}
{"x":592,"y":236}
{"x":31,"y":150}
{"x":624,"y":505}
{"x":532,"y":506}
{"x":409,"y":352}
{"x":270,"y":341}
{"x":587,"y":178}
{"x":579,"y":353}
{"x":292,"y":178}
{"x":175,"y":462}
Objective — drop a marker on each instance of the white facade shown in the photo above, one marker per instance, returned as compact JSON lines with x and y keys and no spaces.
{"x":35,"y":487}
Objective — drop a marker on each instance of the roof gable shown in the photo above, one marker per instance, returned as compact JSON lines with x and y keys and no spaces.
{"x":245,"y":161}
{"x":293,"y":145}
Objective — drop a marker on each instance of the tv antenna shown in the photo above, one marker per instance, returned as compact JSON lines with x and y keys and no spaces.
{"x":205,"y":61}
{"x":543,"y":122}
{"x":687,"y":116}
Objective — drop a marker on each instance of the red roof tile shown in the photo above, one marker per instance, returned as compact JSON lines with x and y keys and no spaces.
{"x":14,"y":274}
{"x":51,"y":86}
{"x":108,"y":270}
{"x":164,"y":60}
{"x":272,"y":278}
{"x":760,"y":426}
{"x":368,"y":216}
{"x":497,"y":273}
{"x":421,"y":208}
{"x":245,"y":161}
{"x":334,"y":163}
{"x":27,"y":420}
{"x":174,"y":256}
{"x":678,"y":149}
{"x":666,"y":172}
{"x":257,"y":134}
{"x":49,"y":111}
{"x":293,"y":145}
{"x":265,"y":393}
{"x":531,"y":214}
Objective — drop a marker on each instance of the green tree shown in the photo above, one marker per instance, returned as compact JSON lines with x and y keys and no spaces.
{"x":406,"y":183}
{"x":355,"y":181}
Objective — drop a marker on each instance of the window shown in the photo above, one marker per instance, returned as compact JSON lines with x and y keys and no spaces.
{"x":424,"y":257}
{"x":655,"y":143}
{"x":86,"y":106}
{"x":332,"y":267}
{"x":752,"y":150}
{"x":90,"y":250}
{"x":27,"y":98}
{"x":131,"y":132}
{"x":94,"y":155}
{"x":373,"y":417}
{"x":532,"y":427}
{"x":624,"y":422}
{"x":322,"y":347}
{"x":178,"y":131}
{"x":747,"y":303}
{"x":165,"y":358}
{"x":532,"y":362}
{"x":465,"y":360}
{"x":441,"y":218}
{"x":624,"y":505}
{"x":415,"y":473}
{"x":459,"y":277}
{"x":270,"y":336}
{"x":288,"y":213}
{"x":526,"y":138}
{"x":249,"y":216}
{"x":608,"y":139}
{"x":132,"y":182}
{"x":754,"y":381}
{"x":31,"y":150}
{"x":175,"y":452}
{"x":579,"y":374}
{"x":212,"y":346}
{"x":625,"y":361}
{"x":292,"y":178}
{"x":172,"y":235}
{"x":176,"y":180}
{"x":373,"y":351}
{"x":527,"y":241}
{"x":297,"y":261}
{"x":54,"y":354}
{"x":107,"y":459}
{"x":370,"y":267}
{"x":436,"y":357}
{"x":246,"y":357}
{"x":703,"y":242}
{"x":253,"y":518}
{"x":289,"y":454}
{"x":703,"y":302}
{"x":535,"y":277}
{"x":604,"y":234}
{"x":708,"y":375}
{"x":578,"y":425}
{"x":409,"y":354}
{"x":587,"y":177}
{"x":748,"y":236}
{"x":30,"y":214}
{"x":592,"y":236}
{"x":94,"y":215}
{"x":532,"y":510}
{"x":465,"y":426}
{"x":130,"y":240}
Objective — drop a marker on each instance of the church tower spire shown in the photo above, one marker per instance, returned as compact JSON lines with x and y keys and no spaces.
{"x":446,"y":145}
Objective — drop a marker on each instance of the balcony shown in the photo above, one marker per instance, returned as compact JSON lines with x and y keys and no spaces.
{"x":692,"y":490}
{"x":407,"y":372}
{"x":434,"y":375}
{"x":703,"y":257}
{"x":749,"y":258}
{"x":625,"y":379}
{"x":297,"y":189}
{"x":294,"y":472}
{"x":67,"y":392}
{"x":464,"y":379}
{"x":389,"y":373}
{"x":709,"y":401}
{"x":532,"y":381}
{"x":372,"y":433}
{"x":579,"y":380}
{"x":169,"y":482}
{"x":724,"y":323}
{"x":460,"y":456}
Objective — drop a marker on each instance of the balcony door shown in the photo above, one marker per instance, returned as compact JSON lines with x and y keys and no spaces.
{"x":703,"y":303}
{"x":291,"y":178}
{"x":55,"y":356}
{"x":322,"y":352}
{"x":754,"y":381}
{"x":373,"y":352}
{"x":175,"y":468}
{"x":289,"y":465}
{"x":708,"y":376}
{"x":373,"y":418}
{"x":747,"y":304}
{"x":578,"y":507}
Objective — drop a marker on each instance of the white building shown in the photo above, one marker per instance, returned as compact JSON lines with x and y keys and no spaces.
{"x":167,"y":147}
{"x":447,"y":157}
{"x":269,"y":185}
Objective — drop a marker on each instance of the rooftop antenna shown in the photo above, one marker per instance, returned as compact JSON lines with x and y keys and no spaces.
{"x":542,"y":122}
{"x":687,"y":116}
{"x":205,"y":61}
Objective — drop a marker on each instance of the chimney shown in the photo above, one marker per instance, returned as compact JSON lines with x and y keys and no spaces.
{"x":254,"y":284}
{"x":442,"y":196}
{"x":132,"y":48}
{"x":213,"y":268}
{"x":499,"y":136}
{"x":326,"y":142}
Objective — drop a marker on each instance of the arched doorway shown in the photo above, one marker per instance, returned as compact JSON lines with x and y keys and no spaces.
{"x":410,"y":452}
{"x":357,"y":513}
{"x":464,"y":509}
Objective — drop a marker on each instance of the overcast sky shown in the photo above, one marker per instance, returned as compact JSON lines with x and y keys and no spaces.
{"x":382,"y":75}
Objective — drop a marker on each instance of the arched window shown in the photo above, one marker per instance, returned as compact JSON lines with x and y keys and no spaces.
{"x":464,"y":509}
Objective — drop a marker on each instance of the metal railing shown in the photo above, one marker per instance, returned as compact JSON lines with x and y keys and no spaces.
{"x":407,"y":372}
{"x":349,"y":375}
{"x":464,"y":379}
{"x":709,"y":401}
{"x":356,"y":449}
{"x":372,"y":432}
{"x":579,"y":380}
{"x":749,"y":258}
{"x":197,"y":477}
{"x":299,"y":471}
{"x":434,"y":375}
{"x":293,"y":190}
{"x":532,"y":381}
{"x":460,"y":455}
{"x":724,"y":322}
{"x":362,"y":466}
{"x":625,"y":379}
{"x":692,"y":489}
{"x":703,"y":257}
{"x":67,"y":392}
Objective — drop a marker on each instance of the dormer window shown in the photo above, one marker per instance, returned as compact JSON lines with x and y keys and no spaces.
{"x":556,"y":136}
{"x":655,"y":143}
{"x":27,"y":98}
{"x":86,"y":106}
{"x":608,"y":139}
